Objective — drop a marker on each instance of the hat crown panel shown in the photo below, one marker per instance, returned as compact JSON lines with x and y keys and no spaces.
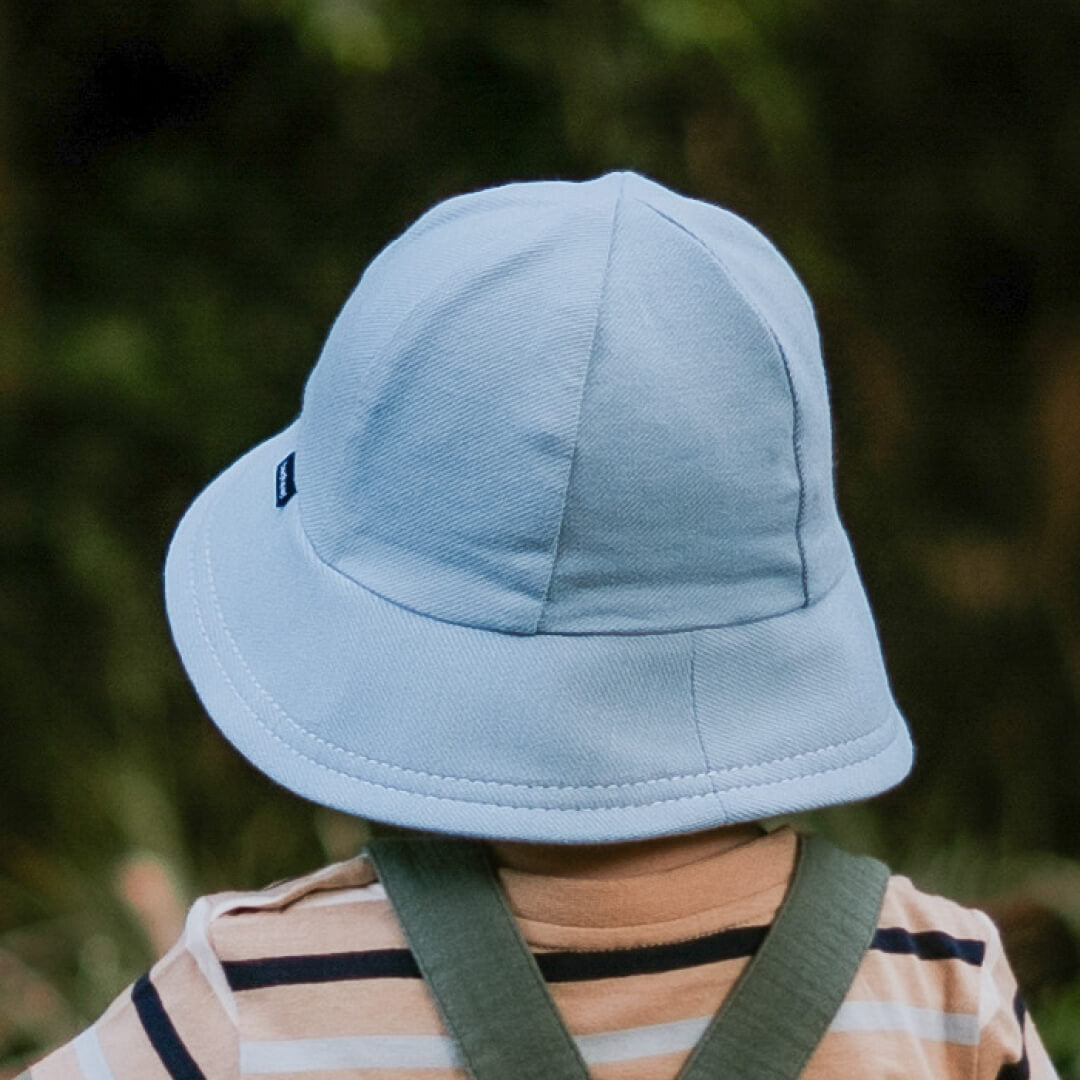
{"x":685,"y":496}
{"x":438,"y":426}
{"x":772,"y":288}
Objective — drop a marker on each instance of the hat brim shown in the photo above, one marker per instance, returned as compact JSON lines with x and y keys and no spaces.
{"x":357,"y":703}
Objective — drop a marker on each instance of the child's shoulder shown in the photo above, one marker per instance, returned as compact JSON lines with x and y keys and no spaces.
{"x":938,"y":922}
{"x":327,"y":884}
{"x":339,"y":907}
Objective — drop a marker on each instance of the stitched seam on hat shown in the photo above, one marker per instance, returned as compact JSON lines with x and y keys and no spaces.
{"x":354,"y":755}
{"x":581,"y":404}
{"x":796,"y":431}
{"x":651,"y":632}
{"x":694,"y":712}
{"x":795,"y":423}
{"x":458,"y":801}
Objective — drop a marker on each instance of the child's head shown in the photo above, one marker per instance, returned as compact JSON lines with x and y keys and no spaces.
{"x":551,"y":552}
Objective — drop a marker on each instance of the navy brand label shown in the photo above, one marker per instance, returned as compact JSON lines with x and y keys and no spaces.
{"x":286,"y":479}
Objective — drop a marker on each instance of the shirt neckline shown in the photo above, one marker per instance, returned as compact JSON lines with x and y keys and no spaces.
{"x":653,"y":899}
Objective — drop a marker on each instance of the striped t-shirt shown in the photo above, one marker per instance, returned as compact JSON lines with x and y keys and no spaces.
{"x":312,"y":980}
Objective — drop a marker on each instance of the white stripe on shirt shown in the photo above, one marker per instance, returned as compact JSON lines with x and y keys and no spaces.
{"x":642,"y":1042}
{"x":91,"y":1057}
{"x":929,"y":1024}
{"x":348,"y":1052}
{"x":653,"y":1040}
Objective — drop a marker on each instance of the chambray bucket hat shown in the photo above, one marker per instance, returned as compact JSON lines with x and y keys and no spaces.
{"x":551,"y":552}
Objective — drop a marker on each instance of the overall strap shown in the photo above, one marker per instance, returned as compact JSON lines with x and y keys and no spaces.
{"x":481,"y":973}
{"x":782,"y":1005}
{"x":498,"y":1009}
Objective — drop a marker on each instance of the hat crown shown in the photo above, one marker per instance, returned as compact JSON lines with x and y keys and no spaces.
{"x":575,"y":408}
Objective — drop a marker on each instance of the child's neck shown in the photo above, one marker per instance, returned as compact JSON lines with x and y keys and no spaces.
{"x":606,"y":861}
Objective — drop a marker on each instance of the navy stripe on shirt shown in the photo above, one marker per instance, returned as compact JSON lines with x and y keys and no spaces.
{"x":581,"y":966}
{"x":320,"y":968}
{"x":929,"y":945}
{"x":651,"y":959}
{"x":163,"y":1036}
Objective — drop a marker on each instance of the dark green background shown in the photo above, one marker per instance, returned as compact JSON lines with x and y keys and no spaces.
{"x":189,"y":190}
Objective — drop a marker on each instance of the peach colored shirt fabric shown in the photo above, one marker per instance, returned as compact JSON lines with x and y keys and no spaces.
{"x":311,"y":980}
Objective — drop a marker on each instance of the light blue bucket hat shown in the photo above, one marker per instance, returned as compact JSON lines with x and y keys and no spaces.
{"x":551,"y":552}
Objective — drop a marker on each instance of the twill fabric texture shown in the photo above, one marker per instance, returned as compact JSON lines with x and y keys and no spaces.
{"x":551,"y":552}
{"x":313,"y":980}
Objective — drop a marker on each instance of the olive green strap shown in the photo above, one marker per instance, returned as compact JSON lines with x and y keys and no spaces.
{"x":482,"y":974}
{"x":497,"y":1007}
{"x":783,"y":1003}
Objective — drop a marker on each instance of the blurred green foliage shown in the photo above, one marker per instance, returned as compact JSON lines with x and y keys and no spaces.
{"x":189,"y":190}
